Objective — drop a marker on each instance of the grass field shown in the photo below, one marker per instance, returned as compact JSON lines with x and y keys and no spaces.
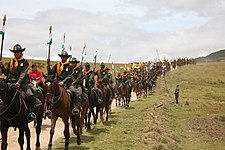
{"x":198,"y":122}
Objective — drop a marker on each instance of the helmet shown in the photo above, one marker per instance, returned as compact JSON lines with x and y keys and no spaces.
{"x":64,"y":54}
{"x":17,"y":47}
{"x":74,"y":60}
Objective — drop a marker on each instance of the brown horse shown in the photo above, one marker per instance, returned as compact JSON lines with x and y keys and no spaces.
{"x":59,"y":103}
{"x":138,"y":89}
{"x":126,"y":93}
{"x":105,"y":101}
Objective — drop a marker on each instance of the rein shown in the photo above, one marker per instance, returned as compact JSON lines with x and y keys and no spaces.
{"x":6,"y":107}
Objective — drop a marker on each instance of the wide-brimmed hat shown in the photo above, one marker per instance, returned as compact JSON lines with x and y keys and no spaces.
{"x":87,"y":64}
{"x":17,"y":47}
{"x":74,"y":60}
{"x":102,"y":64}
{"x":64,"y":54}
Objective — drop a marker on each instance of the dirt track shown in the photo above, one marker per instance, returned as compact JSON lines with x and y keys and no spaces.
{"x":44,"y":137}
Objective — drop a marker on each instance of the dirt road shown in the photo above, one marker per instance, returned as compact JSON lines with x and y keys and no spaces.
{"x":44,"y":137}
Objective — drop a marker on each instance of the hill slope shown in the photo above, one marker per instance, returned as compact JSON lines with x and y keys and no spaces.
{"x":215,"y":56}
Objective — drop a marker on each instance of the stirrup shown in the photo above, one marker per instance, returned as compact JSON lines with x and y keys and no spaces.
{"x":75,"y":111}
{"x":48,"y":113}
{"x":31,"y":116}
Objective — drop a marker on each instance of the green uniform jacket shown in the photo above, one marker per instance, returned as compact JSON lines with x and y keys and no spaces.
{"x":76,"y":76}
{"x":65,"y":74}
{"x":20,"y":73}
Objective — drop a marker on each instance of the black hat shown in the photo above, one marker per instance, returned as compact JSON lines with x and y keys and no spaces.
{"x":64,"y":54}
{"x":17,"y":47}
{"x":102,"y":64}
{"x":87,"y":64}
{"x":74,"y":60}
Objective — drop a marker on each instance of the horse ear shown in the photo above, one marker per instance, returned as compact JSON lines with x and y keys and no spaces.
{"x":44,"y":75}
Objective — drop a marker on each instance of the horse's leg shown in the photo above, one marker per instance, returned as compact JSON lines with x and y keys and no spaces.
{"x":21,"y":137}
{"x":66,"y":132}
{"x":38,"y":129}
{"x":27,"y":133}
{"x":53,"y":122}
{"x":96,"y":114}
{"x":78,"y":129}
{"x":4,"y":132}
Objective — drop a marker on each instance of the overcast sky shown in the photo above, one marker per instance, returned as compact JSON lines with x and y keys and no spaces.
{"x":128,"y":30}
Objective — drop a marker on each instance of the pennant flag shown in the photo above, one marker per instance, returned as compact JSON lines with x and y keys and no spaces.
{"x":3,"y":31}
{"x":84,"y":52}
{"x":95,"y":55}
{"x":50,"y":36}
{"x":113,"y":68}
{"x":64,"y":42}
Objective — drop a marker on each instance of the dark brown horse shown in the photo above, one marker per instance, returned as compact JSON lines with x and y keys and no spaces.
{"x":105,"y":101}
{"x":126,"y":93}
{"x":59,"y":103}
{"x":138,"y":89}
{"x":14,"y":111}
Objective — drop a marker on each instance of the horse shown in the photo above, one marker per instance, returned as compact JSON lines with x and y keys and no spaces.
{"x":138,"y":89}
{"x":92,"y":101}
{"x":105,"y":100}
{"x":117,"y":90}
{"x":59,"y":103}
{"x":14,"y":111}
{"x":126,"y":93}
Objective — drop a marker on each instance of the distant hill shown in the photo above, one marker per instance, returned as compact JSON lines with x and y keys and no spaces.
{"x":215,"y":56}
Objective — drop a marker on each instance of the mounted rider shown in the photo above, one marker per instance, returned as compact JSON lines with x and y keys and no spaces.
{"x":16,"y":72}
{"x":76,"y":86}
{"x":61,"y":71}
{"x":90,"y":85}
{"x":109,"y":81}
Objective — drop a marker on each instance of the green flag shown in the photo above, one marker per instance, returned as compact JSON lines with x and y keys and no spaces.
{"x":3,"y":31}
{"x":50,"y":41}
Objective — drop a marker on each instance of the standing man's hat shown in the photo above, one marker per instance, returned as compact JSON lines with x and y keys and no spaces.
{"x":64,"y":54}
{"x":17,"y":47}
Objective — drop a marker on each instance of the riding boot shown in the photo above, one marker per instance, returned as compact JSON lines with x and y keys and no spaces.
{"x":75,"y":110}
{"x":31,"y":116}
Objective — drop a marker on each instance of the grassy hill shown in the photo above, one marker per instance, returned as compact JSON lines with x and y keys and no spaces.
{"x":213,"y":57}
{"x":198,"y":122}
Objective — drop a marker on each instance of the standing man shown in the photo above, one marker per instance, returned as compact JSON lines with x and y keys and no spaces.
{"x":177,"y":94}
{"x":16,"y":72}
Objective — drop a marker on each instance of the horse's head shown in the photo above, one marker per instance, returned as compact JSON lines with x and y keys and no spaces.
{"x":3,"y":86}
{"x":35,"y":82}
{"x":50,"y":89}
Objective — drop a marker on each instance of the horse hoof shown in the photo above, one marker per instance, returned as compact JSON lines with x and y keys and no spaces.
{"x":78,"y":142}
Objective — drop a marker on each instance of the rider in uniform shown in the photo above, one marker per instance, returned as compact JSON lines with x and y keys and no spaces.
{"x":16,"y":72}
{"x":61,"y":71}
{"x":76,"y":87}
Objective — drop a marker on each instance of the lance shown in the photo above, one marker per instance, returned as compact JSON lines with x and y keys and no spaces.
{"x":82,"y":58}
{"x":3,"y":34}
{"x":49,"y":45}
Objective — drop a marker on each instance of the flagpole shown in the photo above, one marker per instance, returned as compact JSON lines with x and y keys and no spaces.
{"x":3,"y":34}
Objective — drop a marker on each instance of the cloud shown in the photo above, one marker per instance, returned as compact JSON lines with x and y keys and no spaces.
{"x":174,"y":28}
